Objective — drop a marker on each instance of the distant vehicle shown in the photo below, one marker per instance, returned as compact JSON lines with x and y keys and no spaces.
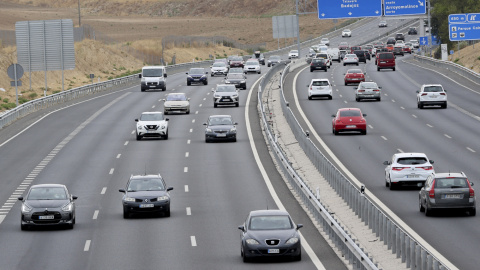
{"x":273,"y":60}
{"x":368,"y":90}
{"x":260,"y":57}
{"x":153,"y":77}
{"x":361,"y":55}
{"x":391,"y":40}
{"x":325,"y":41}
{"x":385,"y":60}
{"x":382,"y":24}
{"x":220,"y":127}
{"x":431,"y":95}
{"x":342,"y":53}
{"x":225,"y":94}
{"x":354,"y":76}
{"x":47,"y":205}
{"x":270,"y":233}
{"x":176,"y":102}
{"x":355,"y":48}
{"x":252,"y":65}
{"x":415,"y":43}
{"x":146,"y":194}
{"x":235,"y":70}
{"x":346,"y":33}
{"x":349,"y":120}
{"x":319,"y":88}
{"x":239,"y":80}
{"x":152,"y":124}
{"x":350,"y":59}
{"x":407,"y":169}
{"x":398,"y":50}
{"x":399,"y":36}
{"x":334,"y":54}
{"x":344,"y":46}
{"x":293,"y":54}
{"x":236,"y":61}
{"x":447,"y":191}
{"x":325,"y":56}
{"x":318,"y":63}
{"x":197,"y":75}
{"x":218,"y":68}
{"x":412,"y":31}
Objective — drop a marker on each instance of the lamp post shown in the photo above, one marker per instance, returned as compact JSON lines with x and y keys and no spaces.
{"x":79,"y":20}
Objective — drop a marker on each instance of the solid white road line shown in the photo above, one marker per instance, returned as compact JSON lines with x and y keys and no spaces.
{"x":87,"y":245}
{"x":189,"y":211}
{"x":316,"y":261}
{"x":193,"y":241}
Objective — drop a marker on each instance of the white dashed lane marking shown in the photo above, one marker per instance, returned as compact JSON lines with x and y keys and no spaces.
{"x":103,"y":191}
{"x":95,"y":214}
{"x":87,"y":245}
{"x":385,"y":138}
{"x":188,"y":142}
{"x":111,"y":170}
{"x":189,"y":211}
{"x":187,"y":154}
{"x":428,"y":125}
{"x":119,"y":155}
{"x":446,"y":135}
{"x":471,"y":150}
{"x":193,"y":241}
{"x":126,"y":143}
{"x":185,"y":169}
{"x":186,"y":188}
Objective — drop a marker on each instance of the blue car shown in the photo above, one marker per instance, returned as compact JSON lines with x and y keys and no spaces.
{"x":197,"y":75}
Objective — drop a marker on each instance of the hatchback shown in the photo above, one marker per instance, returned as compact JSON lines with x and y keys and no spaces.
{"x":220,"y":127}
{"x":350,"y":59}
{"x":447,"y":191}
{"x":367,"y":90}
{"x":407,"y":169}
{"x":354,"y":76}
{"x":432,"y":94}
{"x":399,"y":36}
{"x":319,"y":88}
{"x":349,"y":120}
{"x":361,"y":55}
{"x":318,"y":63}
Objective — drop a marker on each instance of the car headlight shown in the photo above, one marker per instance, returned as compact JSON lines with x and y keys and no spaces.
{"x":189,"y":76}
{"x":129,"y":199}
{"x":292,"y":240}
{"x":252,"y":242}
{"x":235,"y":96}
{"x":139,"y":127}
{"x":233,"y":130}
{"x":162,"y":198}
{"x":208,"y":130}
{"x":227,"y":81}
{"x":67,"y":207}
{"x":26,"y":208}
{"x":203,"y":76}
{"x":217,"y":96}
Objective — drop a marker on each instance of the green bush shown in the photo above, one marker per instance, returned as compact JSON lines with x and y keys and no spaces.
{"x":22,"y":100}
{"x":32,"y":95}
{"x":8,"y":106}
{"x":5,"y":100}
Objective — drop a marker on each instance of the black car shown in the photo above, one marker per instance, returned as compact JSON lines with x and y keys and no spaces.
{"x":399,"y":36}
{"x":239,"y":80}
{"x":260,"y":57}
{"x":197,"y":75}
{"x":146,"y":194}
{"x":220,"y":127}
{"x":367,"y":55}
{"x":47,"y":204}
{"x":273,"y":60}
{"x":391,"y":40}
{"x":270,"y":233}
{"x":361,"y":56}
{"x":318,"y":63}
{"x":412,"y":31}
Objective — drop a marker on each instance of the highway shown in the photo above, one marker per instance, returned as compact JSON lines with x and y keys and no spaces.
{"x":395,"y":124}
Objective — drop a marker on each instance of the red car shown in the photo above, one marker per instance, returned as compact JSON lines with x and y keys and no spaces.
{"x":390,"y":47}
{"x":236,"y":62}
{"x":354,"y":76}
{"x":355,"y":48}
{"x":407,"y":49}
{"x":349,"y":120}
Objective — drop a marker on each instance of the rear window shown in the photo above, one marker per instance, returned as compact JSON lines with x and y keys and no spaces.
{"x":412,"y":160}
{"x":386,"y":56}
{"x":432,"y":89}
{"x":350,"y":113}
{"x":320,"y":83}
{"x":451,"y":183}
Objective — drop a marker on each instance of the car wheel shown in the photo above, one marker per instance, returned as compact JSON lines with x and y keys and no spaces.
{"x":378,"y":99}
{"x":165,"y":112}
{"x":325,"y":70}
{"x":139,"y":137}
{"x":259,"y":72}
{"x":390,"y":184}
{"x":298,"y":257}
{"x":364,"y":132}
{"x":187,"y":112}
{"x":164,"y":88}
{"x":311,"y":70}
{"x":346,"y":83}
{"x":166,"y":136}
{"x":344,"y":64}
{"x":23,"y":227}
{"x":393,"y":69}
{"x":189,"y":83}
{"x":211,"y":75}
{"x":142,"y":90}
{"x":444,"y":106}
{"x":236,"y":104}
{"x":330,"y":97}
{"x":428,"y":211}
{"x":167,"y":212}
{"x":269,"y":65}
{"x":472,"y":212}
{"x":357,"y":99}
{"x":421,"y":105}
{"x":207,"y":140}
{"x":126,"y":213}
{"x":309,"y":98}
{"x":70,"y":226}
{"x":335,"y":132}
{"x":422,"y":209}
{"x":378,"y":69}
{"x":245,"y":258}
{"x":234,"y":139}
{"x":205,"y":83}
{"x":215,"y":105}
{"x":357,"y":64}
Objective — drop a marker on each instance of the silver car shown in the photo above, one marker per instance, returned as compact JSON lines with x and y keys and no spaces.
{"x":431,"y":94}
{"x":225,"y":94}
{"x":367,"y":90}
{"x":447,"y":191}
{"x":350,"y":59}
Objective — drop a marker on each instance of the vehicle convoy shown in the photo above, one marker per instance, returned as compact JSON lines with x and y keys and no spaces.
{"x":153,"y":77}
{"x":47,"y":205}
{"x":407,"y":169}
{"x":432,"y":95}
{"x":270,"y":233}
{"x":220,"y":128}
{"x":176,"y":102}
{"x":447,"y":191}
{"x":146,"y":194}
{"x":197,"y":75}
{"x":152,"y":124}
{"x":349,"y":120}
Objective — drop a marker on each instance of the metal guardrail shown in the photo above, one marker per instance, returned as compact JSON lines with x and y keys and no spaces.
{"x":450,"y":67}
{"x":344,"y":242}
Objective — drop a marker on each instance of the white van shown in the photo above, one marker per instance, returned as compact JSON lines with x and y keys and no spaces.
{"x":335,"y":54}
{"x":153,"y":77}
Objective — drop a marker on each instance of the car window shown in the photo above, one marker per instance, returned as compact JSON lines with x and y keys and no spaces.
{"x":218,"y":64}
{"x":270,"y":223}
{"x":368,"y":85}
{"x":149,"y":184}
{"x":47,"y":193}
{"x":157,"y":72}
{"x":235,"y":76}
{"x":320,"y":83}
{"x":251,"y":63}
{"x":214,"y":121}
{"x":176,"y":97}
{"x":196,"y":71}
{"x":151,"y":117}
{"x":350,"y":113}
{"x":412,"y":160}
{"x":225,"y":88}
{"x":354,"y":71}
{"x":386,"y":56}
{"x":451,"y":183}
{"x":432,"y":89}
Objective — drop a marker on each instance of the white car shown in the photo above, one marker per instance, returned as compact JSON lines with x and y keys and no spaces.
{"x":346,"y":33}
{"x":319,"y":88}
{"x":218,"y":68}
{"x":350,"y":59}
{"x":335,"y":54}
{"x":415,"y":43}
{"x":152,"y":124}
{"x":252,"y":66}
{"x":432,"y":94}
{"x":325,"y":41}
{"x":407,"y":169}
{"x":322,"y":48}
{"x":293,"y":54}
{"x":399,"y":43}
{"x":176,"y":102}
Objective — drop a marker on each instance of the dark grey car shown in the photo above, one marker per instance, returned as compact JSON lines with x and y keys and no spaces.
{"x":447,"y":191}
{"x":220,"y":127}
{"x":239,"y":80}
{"x":47,"y":204}
{"x":273,"y":60}
{"x":146,"y":194}
{"x":270,"y":233}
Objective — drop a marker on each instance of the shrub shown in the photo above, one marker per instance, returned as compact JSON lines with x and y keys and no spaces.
{"x":32,"y":95}
{"x":5,"y":100}
{"x":9,"y":106}
{"x":22,"y":100}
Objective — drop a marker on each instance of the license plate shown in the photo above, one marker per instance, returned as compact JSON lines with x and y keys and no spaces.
{"x":413,"y":176}
{"x":351,"y":126}
{"x":152,"y":86}
{"x":222,"y":135}
{"x":196,"y":80}
{"x":453,"y":196}
{"x":45,"y":217}
{"x":273,"y":251}
{"x":226,"y":99}
{"x":150,"y":205}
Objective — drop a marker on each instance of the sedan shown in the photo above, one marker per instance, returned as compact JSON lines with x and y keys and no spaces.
{"x":47,"y":204}
{"x":176,"y":102}
{"x":273,"y":60}
{"x":432,"y":94}
{"x":239,"y":80}
{"x":252,"y":65}
{"x":350,"y":59}
{"x":367,"y":90}
{"x":346,"y":33}
{"x":270,"y":233}
{"x":293,"y":54}
{"x":236,"y":61}
{"x":407,"y":169}
{"x":447,"y":191}
{"x":349,"y":120}
{"x":146,"y":194}
{"x":319,"y":88}
{"x":354,"y":76}
{"x":220,"y":127}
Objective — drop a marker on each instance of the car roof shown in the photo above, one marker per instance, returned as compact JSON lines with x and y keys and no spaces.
{"x":152,"y":112}
{"x":320,"y":80}
{"x":145,"y":176}
{"x":176,"y":94}
{"x":412,"y":154}
{"x":426,"y":85}
{"x":348,"y":109}
{"x":272,"y":212}
{"x":450,"y":174}
{"x":48,"y":186}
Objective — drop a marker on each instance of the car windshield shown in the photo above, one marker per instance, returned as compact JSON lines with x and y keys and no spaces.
{"x":147,"y":184}
{"x":319,"y":60}
{"x":219,"y":64}
{"x":47,"y":193}
{"x":354,"y":71}
{"x":412,"y":160}
{"x":235,"y":76}
{"x":225,"y":88}
{"x":386,"y":56}
{"x":196,"y":71}
{"x":451,"y":182}
{"x":176,"y":97}
{"x":151,"y":117}
{"x":320,"y":83}
{"x":432,"y":89}
{"x":215,"y":121}
{"x":294,"y":51}
{"x":235,"y":70}
{"x":157,"y":72}
{"x":368,"y":85}
{"x":346,"y":30}
{"x":350,"y":113}
{"x":237,"y":58}
{"x":274,"y":57}
{"x":252,"y":63}
{"x":270,"y":223}
{"x":350,"y":55}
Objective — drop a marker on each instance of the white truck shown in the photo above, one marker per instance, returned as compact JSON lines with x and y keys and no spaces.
{"x":153,"y":77}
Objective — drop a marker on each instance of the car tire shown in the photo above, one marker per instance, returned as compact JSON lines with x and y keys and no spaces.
{"x":325,"y":70}
{"x":422,"y":209}
{"x":70,"y":226}
{"x":391,"y":186}
{"x":311,"y":70}
{"x":259,"y":72}
{"x":167,"y":212}
{"x":393,"y":69}
{"x":420,"y":105}
{"x":310,"y":98}
{"x":236,"y":104}
{"x":244,"y":256}
{"x":187,"y":112}
{"x":357,"y":64}
{"x":364,"y":132}
{"x":189,"y":83}
{"x":165,"y":137}
{"x":142,"y":90}
{"x":379,"y":99}
{"x":346,"y":83}
{"x":344,"y":64}
{"x":357,"y":99}
{"x":335,"y":132}
{"x":330,"y":97}
{"x":164,"y":88}
{"x":472,"y":212}
{"x":378,"y":69}
{"x":207,"y":140}
{"x":215,"y":105}
{"x":234,"y":139}
{"x":126,"y":213}
{"x":205,"y":83}
{"x":139,"y":137}
{"x":428,"y":211}
{"x":211,"y":75}
{"x":165,"y":112}
{"x":298,"y":257}
{"x":444,"y":106}
{"x":23,"y":227}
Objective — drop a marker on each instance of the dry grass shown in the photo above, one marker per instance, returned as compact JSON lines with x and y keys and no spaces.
{"x":468,"y":57}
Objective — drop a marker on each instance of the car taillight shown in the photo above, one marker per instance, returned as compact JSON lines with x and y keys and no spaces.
{"x":472,"y":192}
{"x":443,"y":94}
{"x":424,"y":94}
{"x":376,"y":90}
{"x":431,"y":193}
{"x":427,"y":168}
{"x":361,"y":90}
{"x":398,"y":168}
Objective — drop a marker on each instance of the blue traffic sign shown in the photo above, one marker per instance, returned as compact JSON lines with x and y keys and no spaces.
{"x":464,"y":26}
{"x":404,"y":7}
{"x":336,"y":9}
{"x":424,"y":41}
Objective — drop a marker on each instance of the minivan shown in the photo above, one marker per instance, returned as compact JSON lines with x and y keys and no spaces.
{"x":153,"y":77}
{"x":385,"y":60}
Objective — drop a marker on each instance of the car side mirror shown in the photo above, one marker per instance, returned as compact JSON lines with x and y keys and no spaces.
{"x":299,"y":226}
{"x":364,"y":114}
{"x":213,"y":90}
{"x":235,"y":123}
{"x":167,"y":119}
{"x":386,"y":163}
{"x":431,"y":161}
{"x":20,"y":198}
{"x":471,"y":184}
{"x":122,"y":190}
{"x":206,"y":72}
{"x":139,"y":75}
{"x":241,"y":228}
{"x":74,"y":197}
{"x":136,"y":120}
{"x":186,"y":73}
{"x":445,"y":90}
{"x":204,"y":124}
{"x":355,"y":87}
{"x":164,"y":99}
{"x":365,"y":73}
{"x":188,"y":99}
{"x":333,"y":115}
{"x":165,"y":75}
{"x":169,"y":188}
{"x":379,"y":87}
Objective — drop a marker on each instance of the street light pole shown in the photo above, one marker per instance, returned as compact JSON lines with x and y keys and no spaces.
{"x":79,"y":20}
